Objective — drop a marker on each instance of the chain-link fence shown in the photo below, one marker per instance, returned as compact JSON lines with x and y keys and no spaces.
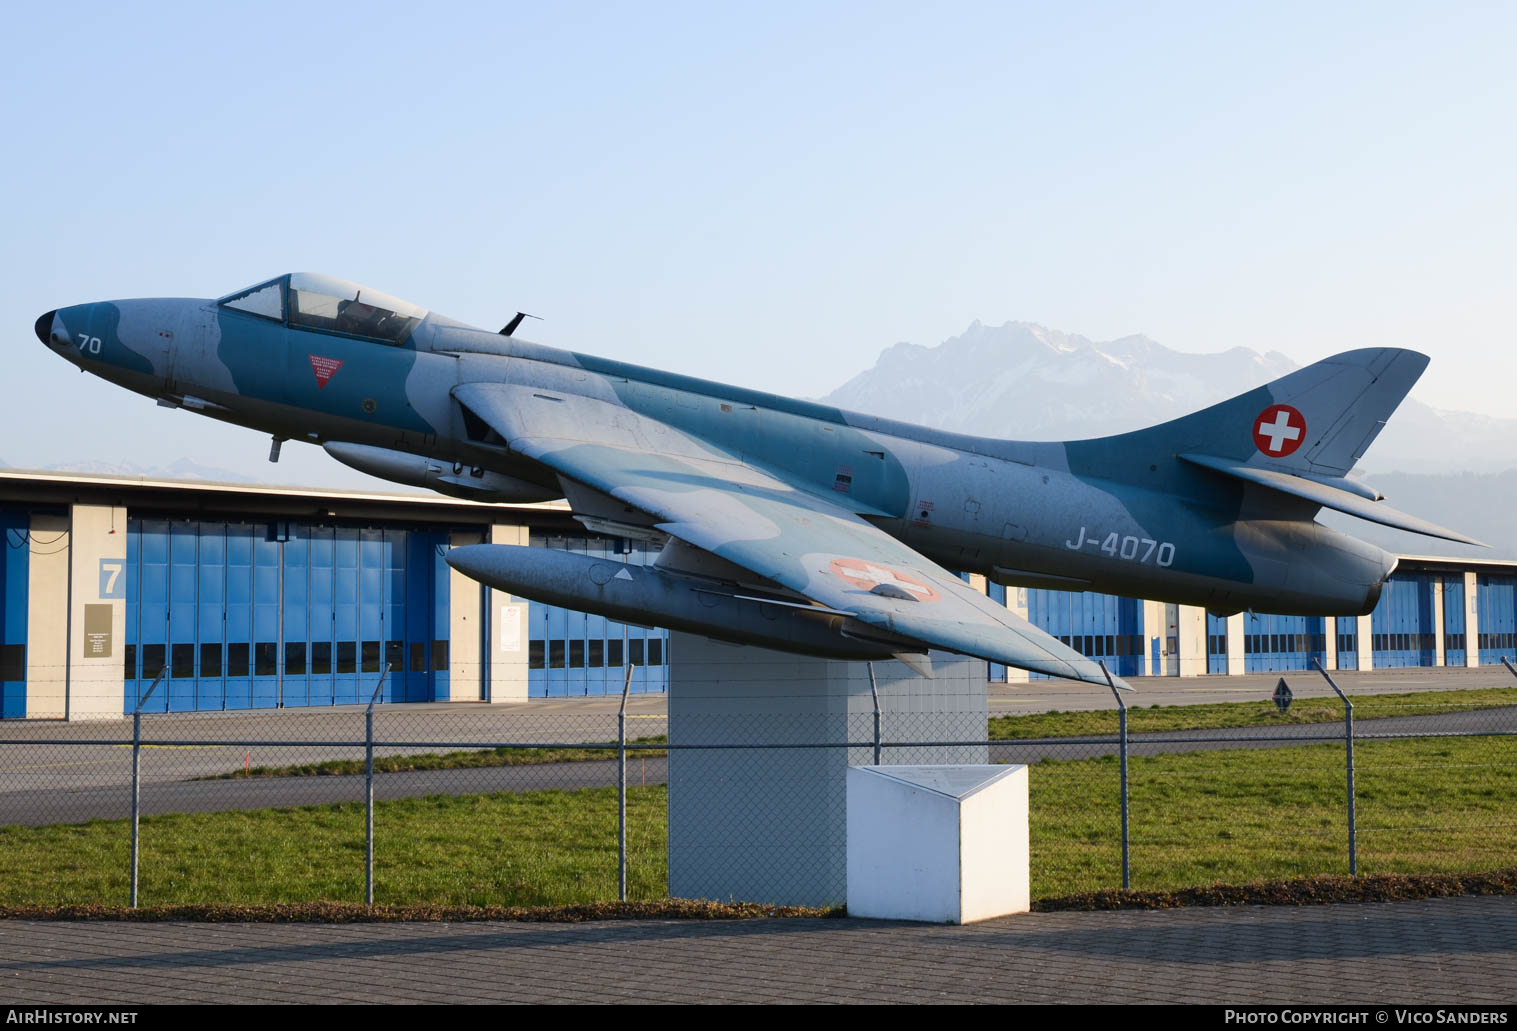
{"x":498,"y":805}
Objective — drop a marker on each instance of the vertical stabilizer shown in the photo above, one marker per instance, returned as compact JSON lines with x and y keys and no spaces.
{"x":1317,"y":421}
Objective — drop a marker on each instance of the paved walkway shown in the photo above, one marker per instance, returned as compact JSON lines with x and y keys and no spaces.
{"x":1434,"y":951}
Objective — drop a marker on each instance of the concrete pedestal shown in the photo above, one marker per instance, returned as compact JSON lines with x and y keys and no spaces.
{"x":769,"y":824}
{"x":945,"y":844}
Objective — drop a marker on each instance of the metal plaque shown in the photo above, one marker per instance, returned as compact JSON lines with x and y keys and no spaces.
{"x":97,"y":631}
{"x":510,"y":628}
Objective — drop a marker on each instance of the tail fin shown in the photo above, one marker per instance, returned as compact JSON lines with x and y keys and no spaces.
{"x":1344,"y":400}
{"x":1317,"y":421}
{"x":1299,"y":435}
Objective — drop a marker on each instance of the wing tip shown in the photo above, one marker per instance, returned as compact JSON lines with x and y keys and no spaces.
{"x":1107,"y":678}
{"x":1460,"y":538}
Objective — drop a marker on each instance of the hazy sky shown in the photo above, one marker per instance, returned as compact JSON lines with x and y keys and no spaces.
{"x":767,"y":194}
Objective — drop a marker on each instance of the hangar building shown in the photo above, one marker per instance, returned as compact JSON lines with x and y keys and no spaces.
{"x":266,"y":597}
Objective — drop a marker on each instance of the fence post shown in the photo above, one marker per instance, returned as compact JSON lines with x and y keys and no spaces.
{"x":368,"y":790}
{"x":874,"y":692}
{"x":621,"y":789}
{"x":137,"y":774}
{"x":1348,"y":736}
{"x":1122,"y":731}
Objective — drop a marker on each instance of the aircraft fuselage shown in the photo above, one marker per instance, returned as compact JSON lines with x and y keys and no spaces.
{"x":1038,"y":514}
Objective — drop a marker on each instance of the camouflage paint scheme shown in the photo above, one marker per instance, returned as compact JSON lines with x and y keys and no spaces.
{"x":787,"y":524}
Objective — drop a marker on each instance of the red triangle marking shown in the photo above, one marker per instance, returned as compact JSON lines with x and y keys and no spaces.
{"x":325,"y":368}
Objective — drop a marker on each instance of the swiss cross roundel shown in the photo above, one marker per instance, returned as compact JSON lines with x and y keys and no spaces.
{"x":881,"y":579}
{"x":1279,"y":430}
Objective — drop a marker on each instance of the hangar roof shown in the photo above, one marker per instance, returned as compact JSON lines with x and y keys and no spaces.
{"x":1459,"y":561}
{"x":250,"y":500}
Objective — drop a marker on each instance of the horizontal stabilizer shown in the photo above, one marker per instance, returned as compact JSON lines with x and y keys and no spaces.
{"x":1345,"y":499}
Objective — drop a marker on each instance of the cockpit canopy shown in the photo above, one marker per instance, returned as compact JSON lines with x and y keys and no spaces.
{"x":311,"y":301}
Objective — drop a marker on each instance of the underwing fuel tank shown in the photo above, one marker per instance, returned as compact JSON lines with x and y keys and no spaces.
{"x":649,"y":596}
{"x":454,"y":481}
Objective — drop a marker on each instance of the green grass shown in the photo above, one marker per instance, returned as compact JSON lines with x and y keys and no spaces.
{"x":1229,"y":715}
{"x":521,"y":849}
{"x":471,"y":759}
{"x":1424,"y":806}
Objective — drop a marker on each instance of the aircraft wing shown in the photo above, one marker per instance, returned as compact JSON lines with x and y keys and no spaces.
{"x":712,"y":499}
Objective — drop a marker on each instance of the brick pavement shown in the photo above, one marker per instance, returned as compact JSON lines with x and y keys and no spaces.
{"x":1433,"y":951}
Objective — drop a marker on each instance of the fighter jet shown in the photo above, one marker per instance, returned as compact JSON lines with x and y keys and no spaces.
{"x":783,"y":523}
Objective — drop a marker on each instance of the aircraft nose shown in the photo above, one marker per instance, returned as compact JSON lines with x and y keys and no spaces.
{"x":44,"y":326}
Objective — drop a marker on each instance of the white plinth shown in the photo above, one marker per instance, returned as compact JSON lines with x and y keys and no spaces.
{"x":945,"y":844}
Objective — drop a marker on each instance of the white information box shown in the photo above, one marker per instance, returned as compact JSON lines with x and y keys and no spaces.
{"x":945,"y":844}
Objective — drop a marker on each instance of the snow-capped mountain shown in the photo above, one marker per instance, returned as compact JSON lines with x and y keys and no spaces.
{"x":1026,"y":382}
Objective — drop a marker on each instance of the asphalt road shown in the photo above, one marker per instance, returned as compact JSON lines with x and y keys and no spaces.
{"x":43,"y":804}
{"x":98,"y":753}
{"x":200,"y":796}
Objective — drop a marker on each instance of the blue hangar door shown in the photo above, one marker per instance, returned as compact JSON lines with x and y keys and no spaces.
{"x":1454,"y":648}
{"x":15,"y":565}
{"x":1273,"y":643}
{"x":1402,"y":623}
{"x":1496,"y":609}
{"x":1098,"y":626}
{"x":1216,"y":643}
{"x":1348,"y":642}
{"x":265,"y":615}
